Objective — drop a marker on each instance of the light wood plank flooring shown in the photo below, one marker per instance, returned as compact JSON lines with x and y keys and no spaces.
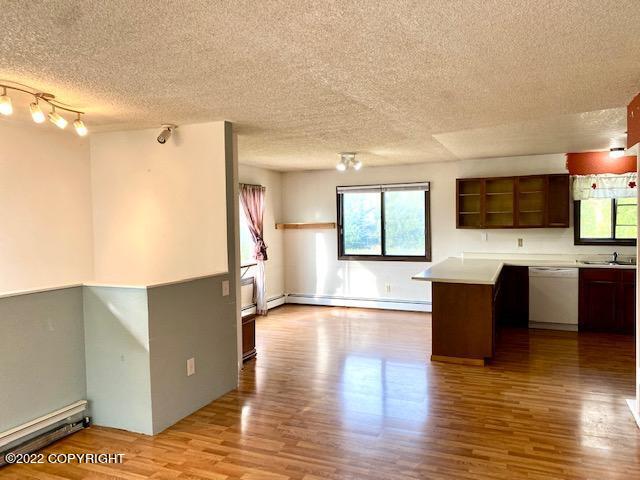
{"x":349,"y":394}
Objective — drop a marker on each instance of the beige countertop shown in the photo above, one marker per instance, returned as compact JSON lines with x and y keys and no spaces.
{"x":487,"y":270}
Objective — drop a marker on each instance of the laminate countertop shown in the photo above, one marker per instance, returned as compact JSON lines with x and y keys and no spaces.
{"x":486,"y":271}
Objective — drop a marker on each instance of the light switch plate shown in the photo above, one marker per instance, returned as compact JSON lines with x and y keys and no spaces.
{"x":520,"y":242}
{"x":225,"y":288}
{"x":191,"y":367}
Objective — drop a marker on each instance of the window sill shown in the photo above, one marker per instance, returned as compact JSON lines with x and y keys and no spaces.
{"x":606,"y":241}
{"x":384,"y":258}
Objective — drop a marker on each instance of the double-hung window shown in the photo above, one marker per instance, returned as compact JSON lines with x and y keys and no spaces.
{"x":384,"y":222}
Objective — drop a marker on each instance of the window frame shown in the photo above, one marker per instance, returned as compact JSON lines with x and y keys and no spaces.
{"x":384,"y":257}
{"x":578,"y":240}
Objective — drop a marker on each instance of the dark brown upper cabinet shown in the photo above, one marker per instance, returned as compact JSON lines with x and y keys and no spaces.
{"x":534,"y":201}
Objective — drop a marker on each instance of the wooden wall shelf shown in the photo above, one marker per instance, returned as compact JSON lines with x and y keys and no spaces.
{"x":308,"y":226}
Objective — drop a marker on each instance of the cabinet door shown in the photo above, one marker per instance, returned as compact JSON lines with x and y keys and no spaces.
{"x":248,"y":337}
{"x":531,"y":200}
{"x":598,"y":298}
{"x":558,"y":200}
{"x":627,"y":302}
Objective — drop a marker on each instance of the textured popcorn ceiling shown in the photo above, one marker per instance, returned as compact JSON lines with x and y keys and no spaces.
{"x":397,"y":81}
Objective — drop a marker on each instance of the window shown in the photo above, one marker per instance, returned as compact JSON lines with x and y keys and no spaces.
{"x":384,"y":222}
{"x":246,"y":241}
{"x":606,"y":221}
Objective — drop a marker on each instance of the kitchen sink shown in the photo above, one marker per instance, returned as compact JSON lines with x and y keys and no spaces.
{"x":608,"y":262}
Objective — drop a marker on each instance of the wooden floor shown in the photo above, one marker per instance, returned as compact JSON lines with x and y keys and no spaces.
{"x":349,"y":394}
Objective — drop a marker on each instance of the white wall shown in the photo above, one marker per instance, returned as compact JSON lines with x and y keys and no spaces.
{"x":274,"y":266}
{"x":311,"y":265}
{"x":45,"y":207}
{"x":159,"y":210}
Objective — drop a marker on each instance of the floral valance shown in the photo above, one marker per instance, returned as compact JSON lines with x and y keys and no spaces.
{"x":605,"y":186}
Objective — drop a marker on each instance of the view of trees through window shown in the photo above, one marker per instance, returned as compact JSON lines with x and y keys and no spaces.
{"x":606,"y":218}
{"x":404,"y":223}
{"x":362,"y":223}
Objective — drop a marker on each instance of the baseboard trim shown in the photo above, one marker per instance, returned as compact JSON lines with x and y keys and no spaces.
{"x":554,"y":326}
{"x":271,"y":303}
{"x":478,"y":362}
{"x":339,"y":301}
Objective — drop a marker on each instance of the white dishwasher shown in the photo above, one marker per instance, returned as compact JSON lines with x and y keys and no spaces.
{"x":553,"y":298}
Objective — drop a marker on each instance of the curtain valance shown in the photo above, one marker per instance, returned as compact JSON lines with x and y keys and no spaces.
{"x":605,"y":186}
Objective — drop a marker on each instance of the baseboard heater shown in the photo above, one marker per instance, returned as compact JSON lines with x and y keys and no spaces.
{"x":344,"y":301}
{"x":271,"y":303}
{"x":42,"y":431}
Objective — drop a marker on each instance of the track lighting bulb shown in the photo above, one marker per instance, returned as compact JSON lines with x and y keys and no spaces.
{"x":56,"y":119}
{"x":165,"y":134}
{"x":36,"y":112}
{"x":341,"y":166}
{"x":81,"y":129}
{"x":6,"y":108}
{"x":357,"y":165}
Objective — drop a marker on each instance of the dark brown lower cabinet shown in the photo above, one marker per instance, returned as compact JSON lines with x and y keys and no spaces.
{"x":607,"y":300}
{"x":248,"y":337}
{"x":462,"y":322}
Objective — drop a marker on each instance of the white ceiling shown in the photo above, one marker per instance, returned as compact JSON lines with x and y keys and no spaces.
{"x":397,"y":81}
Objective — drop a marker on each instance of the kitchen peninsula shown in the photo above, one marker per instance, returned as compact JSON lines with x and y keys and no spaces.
{"x":470,"y":296}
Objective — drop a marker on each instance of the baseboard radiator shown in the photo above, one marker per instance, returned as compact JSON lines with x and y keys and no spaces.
{"x":271,"y":303}
{"x":37,"y":434}
{"x":344,"y":301}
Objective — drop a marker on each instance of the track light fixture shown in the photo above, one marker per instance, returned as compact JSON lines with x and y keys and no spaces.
{"x":38,"y":116}
{"x":36,"y":112}
{"x":165,"y":133}
{"x":348,"y":160}
{"x":56,"y":119}
{"x":6,"y":108}
{"x":80,"y":127}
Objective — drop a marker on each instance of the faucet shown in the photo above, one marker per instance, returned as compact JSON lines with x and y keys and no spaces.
{"x":615,"y":257}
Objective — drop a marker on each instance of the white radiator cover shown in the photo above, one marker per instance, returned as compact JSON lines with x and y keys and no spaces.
{"x":14,"y":434}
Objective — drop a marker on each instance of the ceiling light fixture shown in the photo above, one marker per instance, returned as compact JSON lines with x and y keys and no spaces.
{"x":348,"y":160}
{"x":38,"y":116}
{"x":79,"y":126}
{"x":165,"y":133}
{"x":36,"y":112}
{"x":616,"y":152}
{"x":57,"y":119}
{"x":6,"y":108}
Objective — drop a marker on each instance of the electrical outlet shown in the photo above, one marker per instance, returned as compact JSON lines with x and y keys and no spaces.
{"x":483,"y":236}
{"x":520,"y":242}
{"x":191,"y":367}
{"x":225,"y":288}
{"x":387,"y":287}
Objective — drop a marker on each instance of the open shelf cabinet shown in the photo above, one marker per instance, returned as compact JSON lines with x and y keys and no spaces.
{"x":535,"y":201}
